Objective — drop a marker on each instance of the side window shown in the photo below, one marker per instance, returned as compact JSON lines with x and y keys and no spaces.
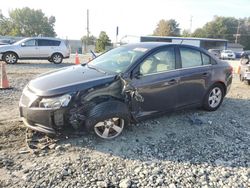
{"x":56,"y":43}
{"x":31,"y":42}
{"x":42,"y":42}
{"x":159,"y":62}
{"x":190,"y":57}
{"x":205,"y":59}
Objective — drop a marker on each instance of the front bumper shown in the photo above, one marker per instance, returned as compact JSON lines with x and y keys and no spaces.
{"x":43,"y":120}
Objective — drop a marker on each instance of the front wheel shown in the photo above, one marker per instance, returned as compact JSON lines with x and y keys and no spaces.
{"x":10,"y":58}
{"x":57,"y":58}
{"x":108,"y":119}
{"x":213,"y":98}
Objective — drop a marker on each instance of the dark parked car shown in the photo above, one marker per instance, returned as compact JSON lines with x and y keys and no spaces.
{"x":125,"y":85}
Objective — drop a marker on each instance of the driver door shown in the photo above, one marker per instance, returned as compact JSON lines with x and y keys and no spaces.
{"x":157,"y":83}
{"x":29,"y":49}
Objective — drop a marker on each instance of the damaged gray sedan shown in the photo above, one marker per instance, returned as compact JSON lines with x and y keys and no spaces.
{"x":125,"y":85}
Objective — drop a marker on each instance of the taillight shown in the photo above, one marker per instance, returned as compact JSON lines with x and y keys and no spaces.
{"x":231,"y":70}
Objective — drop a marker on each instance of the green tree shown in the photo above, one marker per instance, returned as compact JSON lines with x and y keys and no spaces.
{"x":186,"y":33}
{"x":244,"y":31}
{"x":226,"y":28}
{"x":5,"y":25}
{"x":167,"y":28}
{"x":27,"y":22}
{"x":219,"y":27}
{"x":102,"y":42}
{"x":88,"y":40}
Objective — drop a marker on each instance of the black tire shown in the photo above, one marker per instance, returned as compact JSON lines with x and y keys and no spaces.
{"x":111,"y":115}
{"x":57,"y":58}
{"x":247,"y":82}
{"x":241,"y":78}
{"x":10,"y":58}
{"x":214,"y":97}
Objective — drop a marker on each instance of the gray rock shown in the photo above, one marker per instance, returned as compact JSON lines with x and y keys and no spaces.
{"x":125,"y":183}
{"x":102,"y":184}
{"x":65,"y":172}
{"x":172,"y":185}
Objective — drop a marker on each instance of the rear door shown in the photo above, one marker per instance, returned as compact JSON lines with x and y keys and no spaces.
{"x":29,"y":49}
{"x":47,"y":47}
{"x":195,"y":76}
{"x":157,"y":83}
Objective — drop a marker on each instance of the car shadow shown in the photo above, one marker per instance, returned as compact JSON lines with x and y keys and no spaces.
{"x":220,"y":138}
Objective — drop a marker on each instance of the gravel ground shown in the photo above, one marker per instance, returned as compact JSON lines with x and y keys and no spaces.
{"x":190,"y":148}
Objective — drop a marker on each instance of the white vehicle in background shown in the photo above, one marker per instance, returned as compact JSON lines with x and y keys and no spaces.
{"x":227,"y":54}
{"x":52,"y":49}
{"x":215,"y":52}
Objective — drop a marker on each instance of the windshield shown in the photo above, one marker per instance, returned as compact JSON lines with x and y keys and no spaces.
{"x":20,"y":41}
{"x":118,"y":59}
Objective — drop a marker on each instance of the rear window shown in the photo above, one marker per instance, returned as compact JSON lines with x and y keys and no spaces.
{"x":205,"y":59}
{"x":190,"y":57}
{"x":45,"y":42}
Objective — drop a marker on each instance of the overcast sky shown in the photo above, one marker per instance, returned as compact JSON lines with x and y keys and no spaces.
{"x":134,"y":17}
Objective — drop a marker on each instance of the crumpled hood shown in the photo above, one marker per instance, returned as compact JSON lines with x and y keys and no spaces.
{"x":69,"y":79}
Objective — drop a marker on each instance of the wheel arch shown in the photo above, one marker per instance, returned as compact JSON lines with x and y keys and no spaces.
{"x":10,"y":51}
{"x":56,"y":53}
{"x":223,"y":86}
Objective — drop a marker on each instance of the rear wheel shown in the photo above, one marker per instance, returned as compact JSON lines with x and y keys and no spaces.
{"x":248,"y":82}
{"x":57,"y":58}
{"x":241,"y":78}
{"x":214,"y":97}
{"x":10,"y":58}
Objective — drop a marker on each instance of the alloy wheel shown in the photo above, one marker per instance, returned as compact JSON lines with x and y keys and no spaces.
{"x":109,"y":128}
{"x":57,"y":58}
{"x":215,"y":97}
{"x":10,"y":58}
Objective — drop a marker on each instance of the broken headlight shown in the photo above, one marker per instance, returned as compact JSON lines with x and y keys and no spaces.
{"x":55,"y":102}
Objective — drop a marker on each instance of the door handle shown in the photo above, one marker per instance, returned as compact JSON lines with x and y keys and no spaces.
{"x":170,"y":82}
{"x":205,"y":74}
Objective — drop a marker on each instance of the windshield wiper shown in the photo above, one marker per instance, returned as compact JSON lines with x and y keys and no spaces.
{"x":99,"y":70}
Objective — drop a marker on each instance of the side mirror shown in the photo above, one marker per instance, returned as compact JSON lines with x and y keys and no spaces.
{"x":23,"y":44}
{"x":137,"y":74}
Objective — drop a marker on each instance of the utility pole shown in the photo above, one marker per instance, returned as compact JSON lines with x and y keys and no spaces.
{"x":86,"y":42}
{"x":191,"y":22}
{"x":88,"y":23}
{"x":238,"y":33}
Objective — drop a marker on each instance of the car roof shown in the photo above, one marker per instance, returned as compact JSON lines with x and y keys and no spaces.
{"x":152,"y":45}
{"x":48,"y":38}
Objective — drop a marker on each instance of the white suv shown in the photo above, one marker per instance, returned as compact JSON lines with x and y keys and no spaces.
{"x":54,"y":50}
